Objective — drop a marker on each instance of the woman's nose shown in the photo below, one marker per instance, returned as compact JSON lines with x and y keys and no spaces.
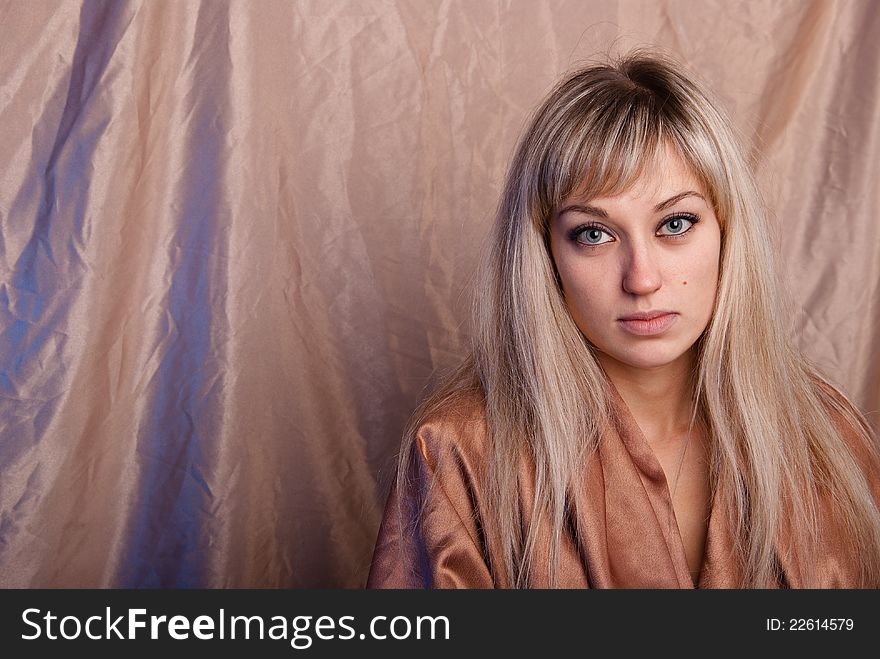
{"x":641,"y":274}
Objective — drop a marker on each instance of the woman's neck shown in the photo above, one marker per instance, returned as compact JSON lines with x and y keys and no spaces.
{"x":660,"y":399}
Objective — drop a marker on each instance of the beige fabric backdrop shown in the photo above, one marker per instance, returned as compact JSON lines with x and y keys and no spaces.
{"x":237,"y":238}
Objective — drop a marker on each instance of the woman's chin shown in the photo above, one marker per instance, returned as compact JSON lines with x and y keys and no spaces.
{"x":646,"y":358}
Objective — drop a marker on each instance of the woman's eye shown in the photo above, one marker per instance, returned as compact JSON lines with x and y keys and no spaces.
{"x":593,"y":236}
{"x":675,"y":226}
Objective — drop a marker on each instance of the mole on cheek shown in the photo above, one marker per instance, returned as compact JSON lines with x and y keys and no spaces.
{"x":685,"y":283}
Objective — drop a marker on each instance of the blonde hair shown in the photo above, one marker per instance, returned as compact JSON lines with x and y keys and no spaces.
{"x":774,"y":446}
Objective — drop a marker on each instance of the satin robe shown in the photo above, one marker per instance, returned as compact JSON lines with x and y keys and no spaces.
{"x":621,"y":532}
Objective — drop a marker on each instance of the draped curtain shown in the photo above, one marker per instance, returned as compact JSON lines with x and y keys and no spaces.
{"x":237,"y":241}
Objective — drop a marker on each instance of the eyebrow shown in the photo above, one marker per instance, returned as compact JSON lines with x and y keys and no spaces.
{"x":677,"y":198}
{"x":599,"y":212}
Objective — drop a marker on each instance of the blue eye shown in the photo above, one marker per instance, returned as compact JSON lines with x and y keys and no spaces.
{"x":676,"y":226}
{"x":593,"y":236}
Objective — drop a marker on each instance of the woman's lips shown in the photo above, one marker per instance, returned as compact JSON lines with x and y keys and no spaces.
{"x":648,"y":326}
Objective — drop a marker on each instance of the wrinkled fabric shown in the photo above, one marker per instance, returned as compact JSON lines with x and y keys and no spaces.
{"x":620,"y":531}
{"x":236,"y":240}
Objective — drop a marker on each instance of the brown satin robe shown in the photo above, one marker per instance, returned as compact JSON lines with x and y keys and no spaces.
{"x":623,"y":533}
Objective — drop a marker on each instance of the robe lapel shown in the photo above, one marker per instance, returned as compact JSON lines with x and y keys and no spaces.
{"x":626,"y":524}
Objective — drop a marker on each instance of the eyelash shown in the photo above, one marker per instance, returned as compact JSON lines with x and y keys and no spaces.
{"x":690,"y":217}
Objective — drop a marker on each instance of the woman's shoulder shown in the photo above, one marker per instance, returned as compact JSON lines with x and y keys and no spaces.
{"x":850,"y":423}
{"x":842,"y":411}
{"x":452,"y":425}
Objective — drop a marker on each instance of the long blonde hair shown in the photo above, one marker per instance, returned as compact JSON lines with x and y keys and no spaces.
{"x":773,"y":444}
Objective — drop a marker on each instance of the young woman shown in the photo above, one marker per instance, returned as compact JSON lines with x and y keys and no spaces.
{"x":633,"y":413}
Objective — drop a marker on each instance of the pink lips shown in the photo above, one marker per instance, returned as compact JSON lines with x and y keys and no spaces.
{"x":648,"y":324}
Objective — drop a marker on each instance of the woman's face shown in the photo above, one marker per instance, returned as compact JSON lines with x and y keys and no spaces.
{"x":640,"y":269}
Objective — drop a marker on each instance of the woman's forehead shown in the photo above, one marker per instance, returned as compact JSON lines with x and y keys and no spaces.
{"x":660,"y":174}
